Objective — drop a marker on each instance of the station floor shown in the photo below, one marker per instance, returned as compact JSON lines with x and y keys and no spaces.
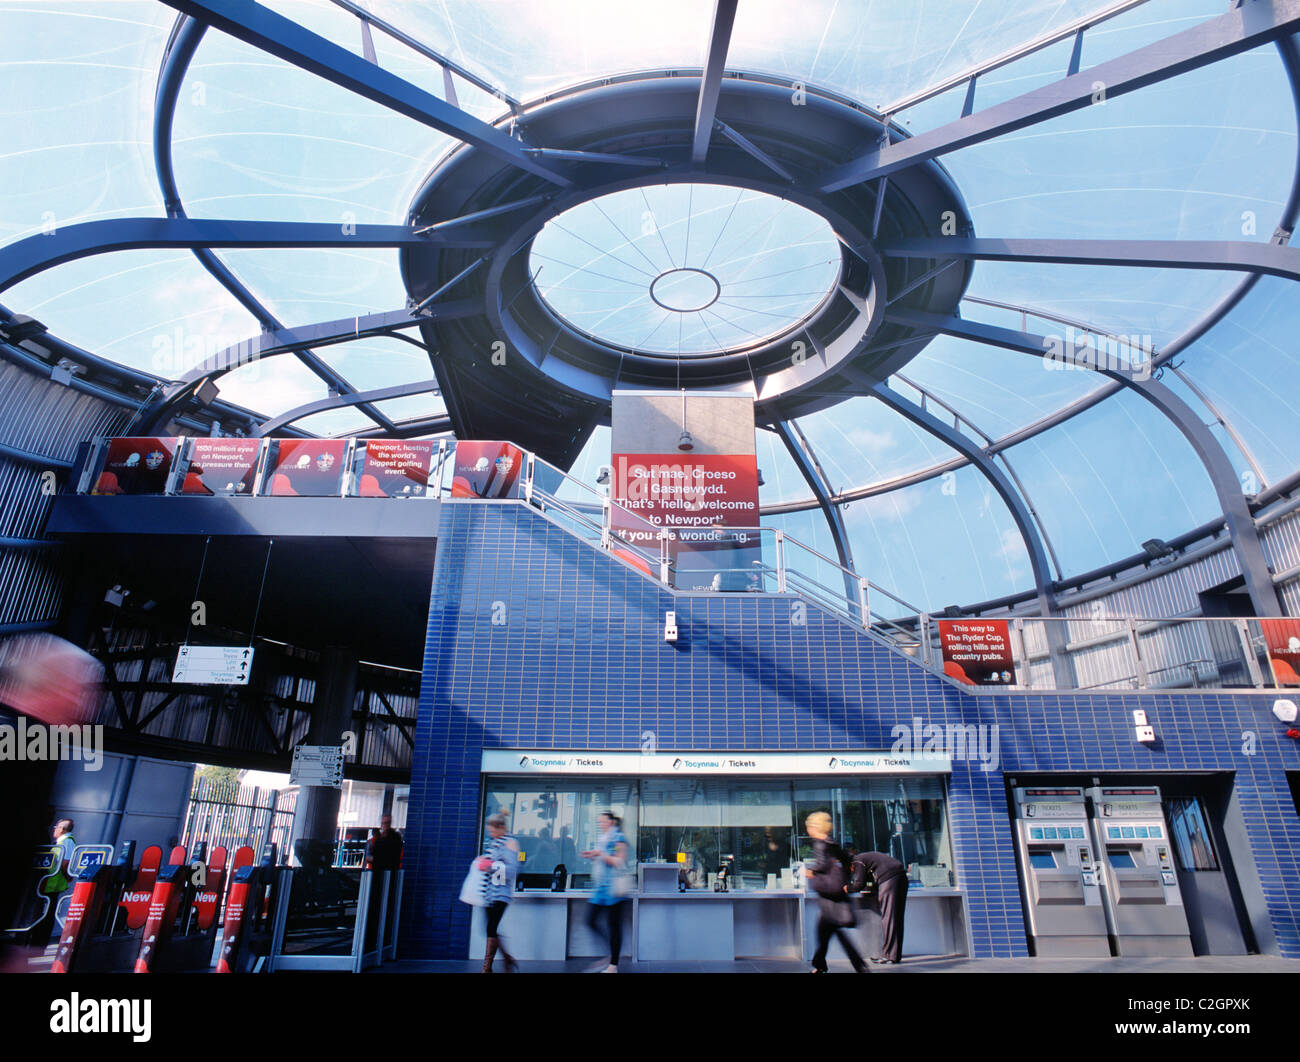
{"x":1206,"y":964}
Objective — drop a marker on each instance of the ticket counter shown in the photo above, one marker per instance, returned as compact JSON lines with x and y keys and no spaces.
{"x":717,"y":841}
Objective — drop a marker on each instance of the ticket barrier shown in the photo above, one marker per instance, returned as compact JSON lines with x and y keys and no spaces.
{"x":247,"y":934}
{"x":1060,"y":883}
{"x":1144,"y":906}
{"x":180,"y":930}
{"x":96,"y":936}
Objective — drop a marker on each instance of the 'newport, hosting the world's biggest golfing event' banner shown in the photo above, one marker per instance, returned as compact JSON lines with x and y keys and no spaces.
{"x":699,"y":495}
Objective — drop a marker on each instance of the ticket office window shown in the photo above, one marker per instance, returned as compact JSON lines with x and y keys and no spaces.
{"x":902,"y":817}
{"x":698,"y":822}
{"x":555,"y":819}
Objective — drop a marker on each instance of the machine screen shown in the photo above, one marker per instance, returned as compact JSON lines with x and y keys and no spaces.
{"x":1121,"y":859}
{"x":1042,"y":860}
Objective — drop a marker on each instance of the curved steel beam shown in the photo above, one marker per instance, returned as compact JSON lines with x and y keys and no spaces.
{"x":287,"y":40}
{"x":382,"y":394}
{"x":326,"y":333}
{"x":1253,"y":23}
{"x":1234,"y":256}
{"x":969,"y":449}
{"x":811,"y":470}
{"x":35,"y":254}
{"x":1223,"y":477}
{"x":961,"y":418}
{"x":179,"y":52}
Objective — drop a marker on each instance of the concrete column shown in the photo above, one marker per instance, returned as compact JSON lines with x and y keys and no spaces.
{"x":316,"y":817}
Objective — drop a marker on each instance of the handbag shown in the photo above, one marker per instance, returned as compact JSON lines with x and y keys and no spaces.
{"x":621,"y":886}
{"x":473,"y":890}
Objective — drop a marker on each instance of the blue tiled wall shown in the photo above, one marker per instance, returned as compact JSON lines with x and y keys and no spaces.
{"x":578,"y":661}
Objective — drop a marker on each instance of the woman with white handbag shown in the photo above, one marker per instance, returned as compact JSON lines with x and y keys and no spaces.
{"x":491,"y":884}
{"x":612,"y":884}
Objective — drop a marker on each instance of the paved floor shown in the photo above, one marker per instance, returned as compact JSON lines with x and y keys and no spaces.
{"x":1208,"y":964}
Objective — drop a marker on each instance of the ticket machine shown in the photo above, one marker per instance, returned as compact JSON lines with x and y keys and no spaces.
{"x":1144,"y":907}
{"x":1060,"y":881}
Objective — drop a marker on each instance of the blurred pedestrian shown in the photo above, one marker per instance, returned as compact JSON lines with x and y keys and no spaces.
{"x":611,"y":884}
{"x":500,"y":862}
{"x":51,"y":682}
{"x":828,"y":872}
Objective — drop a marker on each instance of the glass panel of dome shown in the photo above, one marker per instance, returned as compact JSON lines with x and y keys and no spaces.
{"x":999,"y":390}
{"x":1149,"y":172}
{"x":1110,"y":478}
{"x":1153,"y":305}
{"x":1248,"y":366}
{"x":880,"y":53}
{"x":412,"y":407}
{"x":860,"y":441}
{"x":782,"y":480}
{"x":949,"y":540}
{"x":334,"y":422}
{"x":1155,"y":20}
{"x":257,"y":138}
{"x":530,"y":49}
{"x":157,"y":311}
{"x":373,"y":363}
{"x":303,"y":286}
{"x":272,"y":386}
{"x":685,"y":269}
{"x":79,"y":82}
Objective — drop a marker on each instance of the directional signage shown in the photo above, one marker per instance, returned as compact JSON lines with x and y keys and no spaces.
{"x":317,"y":765}
{"x":213,"y":665}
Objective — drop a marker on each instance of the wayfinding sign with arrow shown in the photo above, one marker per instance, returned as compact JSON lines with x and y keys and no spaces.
{"x":213,"y":665}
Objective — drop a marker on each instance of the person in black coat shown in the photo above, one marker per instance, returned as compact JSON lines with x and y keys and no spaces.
{"x":890,"y":878}
{"x":828,"y":872}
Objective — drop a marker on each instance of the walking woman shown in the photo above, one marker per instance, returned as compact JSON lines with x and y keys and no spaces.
{"x":830,"y":878}
{"x":500,"y":860}
{"x":609,"y":865}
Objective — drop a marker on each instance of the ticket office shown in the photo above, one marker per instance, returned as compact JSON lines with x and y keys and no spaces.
{"x":731,"y":843}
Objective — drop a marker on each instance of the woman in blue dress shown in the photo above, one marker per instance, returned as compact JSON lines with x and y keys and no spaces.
{"x":610,"y":881}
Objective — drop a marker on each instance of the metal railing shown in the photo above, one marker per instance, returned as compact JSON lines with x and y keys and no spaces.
{"x":1046,"y":653}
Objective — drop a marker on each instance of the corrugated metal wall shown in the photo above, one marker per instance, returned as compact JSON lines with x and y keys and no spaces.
{"x":44,"y":418}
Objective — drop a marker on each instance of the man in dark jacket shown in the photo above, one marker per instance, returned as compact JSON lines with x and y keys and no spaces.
{"x":827,"y":872}
{"x":890,"y":878}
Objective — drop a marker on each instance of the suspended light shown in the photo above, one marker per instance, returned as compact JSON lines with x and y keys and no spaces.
{"x":686,"y":443}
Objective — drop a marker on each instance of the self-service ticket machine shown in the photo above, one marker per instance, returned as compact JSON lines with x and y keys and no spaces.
{"x":1060,"y":884}
{"x":1144,"y":907}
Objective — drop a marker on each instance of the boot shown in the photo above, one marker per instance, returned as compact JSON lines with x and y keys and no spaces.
{"x":511,"y":965}
{"x":490,"y":954}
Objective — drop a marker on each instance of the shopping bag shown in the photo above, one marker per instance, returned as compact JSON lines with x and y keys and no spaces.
{"x":474,"y":889}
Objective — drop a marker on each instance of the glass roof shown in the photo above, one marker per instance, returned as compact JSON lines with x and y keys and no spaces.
{"x":685,"y":269}
{"x":1208,"y":155}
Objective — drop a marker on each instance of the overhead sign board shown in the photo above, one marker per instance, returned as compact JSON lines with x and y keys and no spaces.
{"x":549,"y":761}
{"x":213,"y":665}
{"x":317,"y":765}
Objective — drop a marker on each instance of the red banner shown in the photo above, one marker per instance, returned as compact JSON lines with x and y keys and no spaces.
{"x":208,"y":898}
{"x":394,"y":468}
{"x":487,"y":469}
{"x":307,"y":467}
{"x":701,"y":496}
{"x":136,"y":466}
{"x":221,"y":466}
{"x":686,"y":490}
{"x":1283,"y":639}
{"x":136,"y":897}
{"x":977,"y":652}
